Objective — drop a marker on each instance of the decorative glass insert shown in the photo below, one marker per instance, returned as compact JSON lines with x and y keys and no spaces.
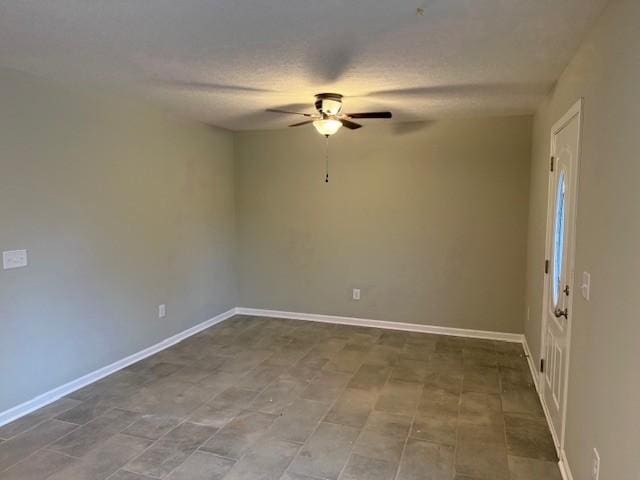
{"x":558,"y":238}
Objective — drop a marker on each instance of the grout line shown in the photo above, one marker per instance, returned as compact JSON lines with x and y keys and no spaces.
{"x":406,"y":440}
{"x":457,"y":442}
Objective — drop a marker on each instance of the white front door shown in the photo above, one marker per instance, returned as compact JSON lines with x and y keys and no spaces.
{"x":559,"y":278}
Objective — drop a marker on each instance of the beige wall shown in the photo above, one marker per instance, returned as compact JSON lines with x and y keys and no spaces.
{"x":604,"y":387}
{"x":121,"y":209}
{"x":428,"y":220}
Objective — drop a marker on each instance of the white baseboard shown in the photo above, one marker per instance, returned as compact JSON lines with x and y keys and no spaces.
{"x":563,"y":464}
{"x":364,"y":322}
{"x":52,"y":395}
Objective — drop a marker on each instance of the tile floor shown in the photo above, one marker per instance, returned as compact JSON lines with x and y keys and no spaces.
{"x":256,"y":398}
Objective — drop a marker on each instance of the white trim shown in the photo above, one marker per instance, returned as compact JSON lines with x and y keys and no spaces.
{"x":365,"y":322}
{"x":565,"y":470}
{"x":563,"y":463}
{"x":52,"y":395}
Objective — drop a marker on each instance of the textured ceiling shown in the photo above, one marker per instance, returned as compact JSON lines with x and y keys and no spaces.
{"x":225,"y":61}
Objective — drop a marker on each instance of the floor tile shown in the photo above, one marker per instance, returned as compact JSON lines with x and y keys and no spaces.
{"x":352,"y":408}
{"x":389,"y":424}
{"x":490,"y":432}
{"x":370,"y":377}
{"x":124,"y":475}
{"x":202,"y":466}
{"x":436,"y":401}
{"x":418,"y":350}
{"x":507,"y":360}
{"x":479,"y":358}
{"x":26,"y":443}
{"x":513,"y":348}
{"x":295,"y":476}
{"x":437,"y":428}
{"x":446,"y":363}
{"x":392,"y":338}
{"x":479,"y":403}
{"x":192,"y":374}
{"x":399,"y":397}
{"x":223,"y":408}
{"x":259,"y":377}
{"x":347,"y":360}
{"x":482,"y":460}
{"x":299,"y":420}
{"x":120,"y":384}
{"x":31,"y":420}
{"x":513,"y":379}
{"x":171,"y":450}
{"x":168,"y":396}
{"x":531,"y":469}
{"x":409,"y":370}
{"x":38,"y":466}
{"x":363,"y":468}
{"x":88,"y":436}
{"x":375,"y":444}
{"x":326,"y":451}
{"x":279,"y":395}
{"x":89,"y":409}
{"x":239,"y":435}
{"x":152,"y":426}
{"x":524,"y":401}
{"x":288,"y":355}
{"x":217,"y":382}
{"x":245,"y":361}
{"x":266,"y":460}
{"x":426,"y":460}
{"x":529,"y":437}
{"x":326,"y":387}
{"x":367,"y":403}
{"x":101,"y":462}
{"x":481,"y":379}
{"x":383,"y":355}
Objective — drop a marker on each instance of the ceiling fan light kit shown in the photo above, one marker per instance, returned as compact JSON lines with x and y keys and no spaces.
{"x":327,"y":126}
{"x":329,"y":119}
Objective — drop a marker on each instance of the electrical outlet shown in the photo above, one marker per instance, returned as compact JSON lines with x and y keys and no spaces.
{"x":595,"y":465}
{"x":356,"y":294}
{"x":162,"y":311}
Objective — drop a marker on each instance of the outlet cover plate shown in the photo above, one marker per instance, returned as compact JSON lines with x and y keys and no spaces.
{"x":14,"y":259}
{"x":595,"y":467}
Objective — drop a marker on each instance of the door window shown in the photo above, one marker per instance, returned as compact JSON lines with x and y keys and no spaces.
{"x":558,"y":238}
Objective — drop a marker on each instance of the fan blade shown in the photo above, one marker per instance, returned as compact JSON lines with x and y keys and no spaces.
{"x":370,"y":115}
{"x":301,"y":123}
{"x":349,"y":124}
{"x":273,"y":110}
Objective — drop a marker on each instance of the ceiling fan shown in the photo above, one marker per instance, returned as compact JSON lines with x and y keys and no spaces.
{"x":330,"y":118}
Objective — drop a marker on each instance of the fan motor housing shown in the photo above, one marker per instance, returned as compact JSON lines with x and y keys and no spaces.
{"x":328,"y":103}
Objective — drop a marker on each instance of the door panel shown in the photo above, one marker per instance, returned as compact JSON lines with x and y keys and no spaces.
{"x":565,"y":142}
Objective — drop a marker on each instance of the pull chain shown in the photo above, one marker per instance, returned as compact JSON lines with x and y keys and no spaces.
{"x":326,"y":160}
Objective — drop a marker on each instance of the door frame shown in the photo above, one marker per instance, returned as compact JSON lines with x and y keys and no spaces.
{"x":575,"y":110}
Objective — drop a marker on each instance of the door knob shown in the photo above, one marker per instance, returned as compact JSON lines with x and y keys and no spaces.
{"x":561,"y":313}
{"x":566,"y":290}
